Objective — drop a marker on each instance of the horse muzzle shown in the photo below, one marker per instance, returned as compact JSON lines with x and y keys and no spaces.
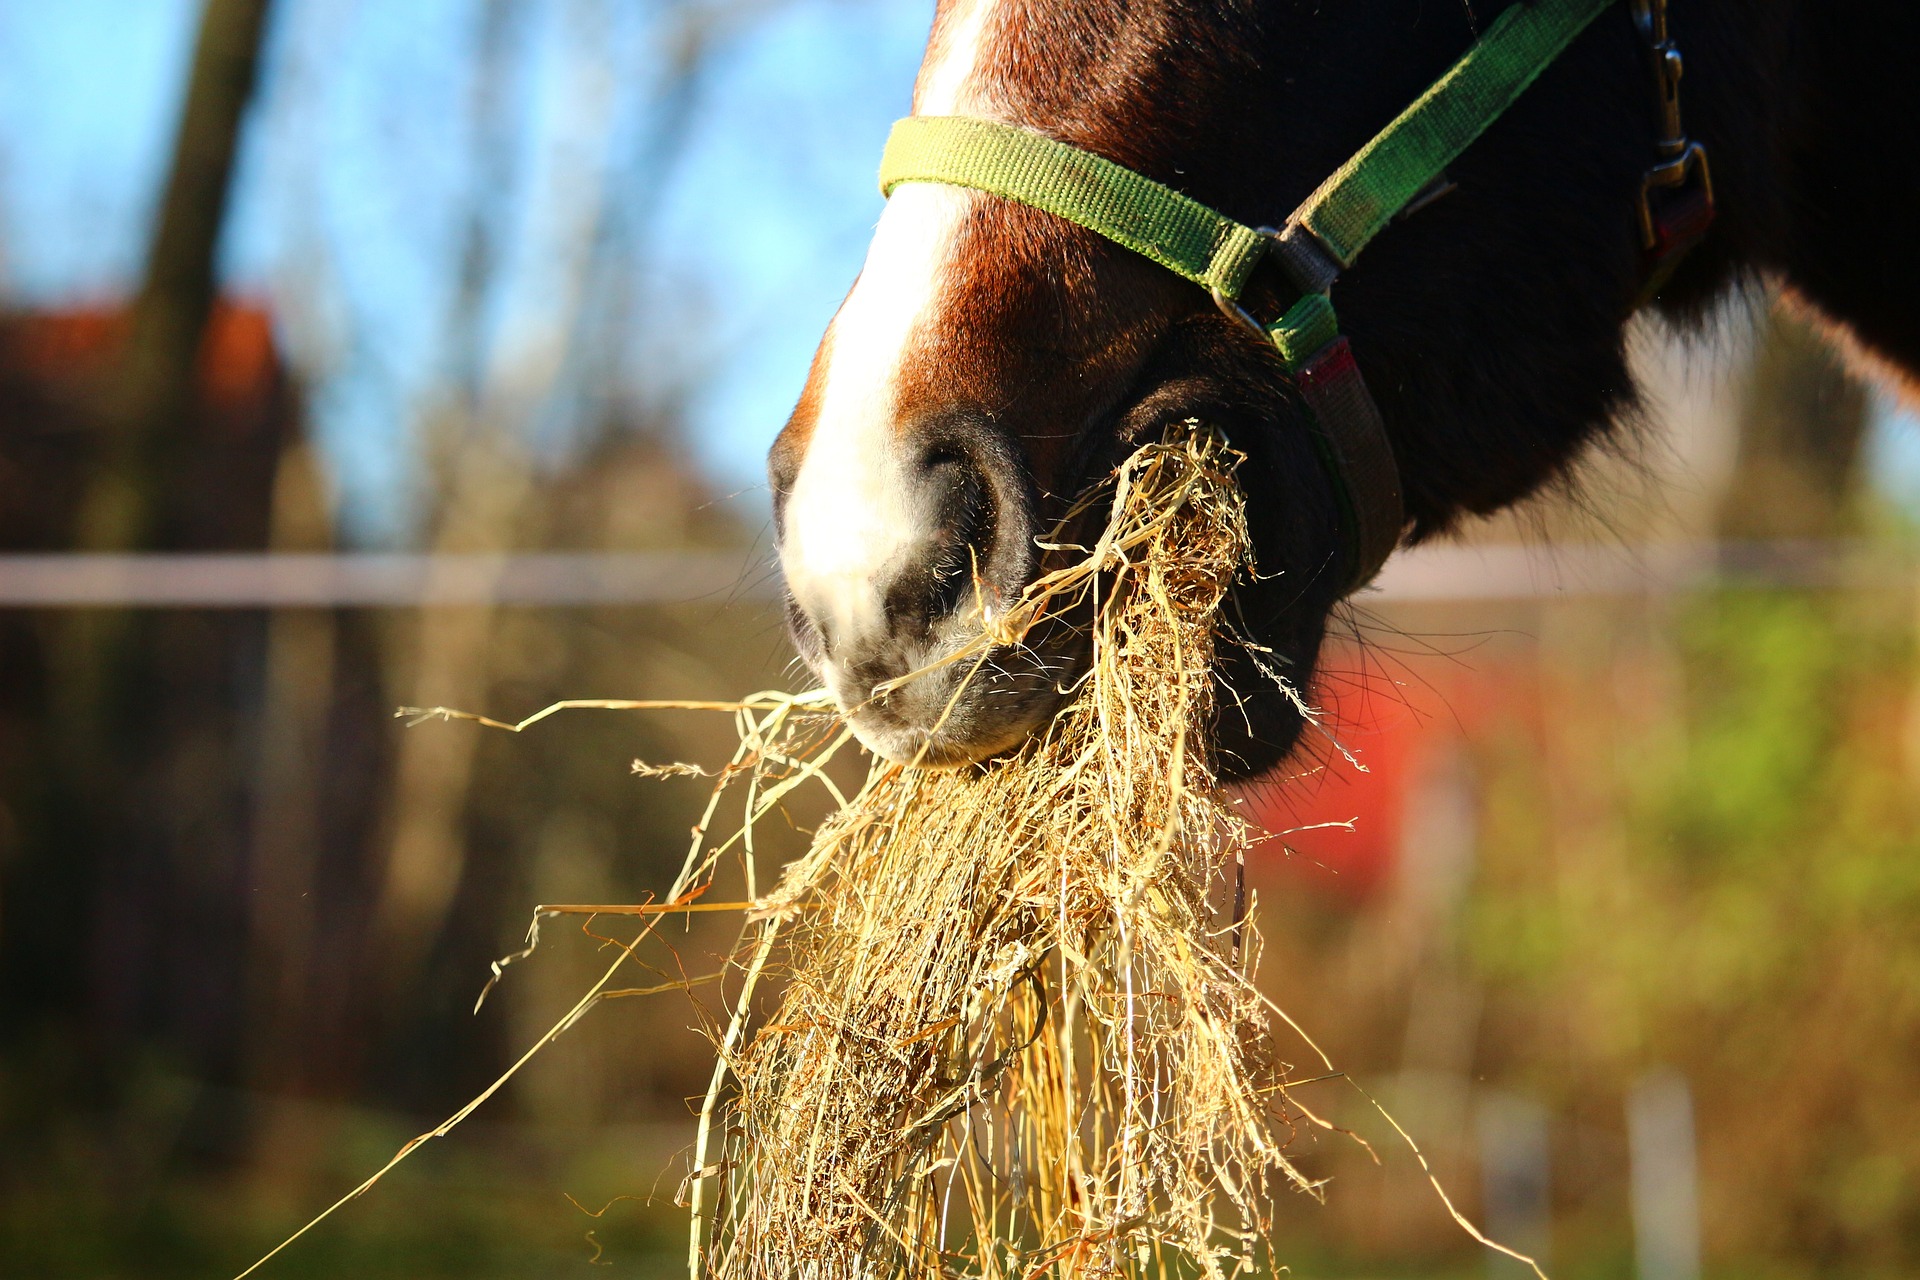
{"x":896,"y":560}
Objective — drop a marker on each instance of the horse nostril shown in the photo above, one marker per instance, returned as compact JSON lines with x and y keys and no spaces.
{"x":967,"y":544}
{"x":960,"y":516}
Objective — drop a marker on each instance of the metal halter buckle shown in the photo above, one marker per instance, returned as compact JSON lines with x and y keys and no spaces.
{"x":1307,"y":264}
{"x":1684,"y":183}
{"x":1676,"y":195}
{"x":1347,"y":430}
{"x":1233,"y":311}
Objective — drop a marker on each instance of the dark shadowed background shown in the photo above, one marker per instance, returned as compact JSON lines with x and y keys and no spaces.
{"x":477,"y":315}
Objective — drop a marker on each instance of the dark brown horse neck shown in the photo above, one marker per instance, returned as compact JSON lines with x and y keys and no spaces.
{"x":1808,"y":110}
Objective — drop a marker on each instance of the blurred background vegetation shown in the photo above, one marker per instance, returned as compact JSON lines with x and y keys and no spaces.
{"x":1624,"y":931}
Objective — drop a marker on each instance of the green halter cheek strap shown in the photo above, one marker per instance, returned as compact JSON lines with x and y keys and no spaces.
{"x":1324,"y":235}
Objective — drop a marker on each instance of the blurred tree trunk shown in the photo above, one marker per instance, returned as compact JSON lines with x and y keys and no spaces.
{"x":481,"y":488}
{"x":1802,"y":421}
{"x":457,"y":853}
{"x":149,"y":714}
{"x":488,"y":498}
{"x":283,"y":857}
{"x":154,"y":392}
{"x":146,"y":418}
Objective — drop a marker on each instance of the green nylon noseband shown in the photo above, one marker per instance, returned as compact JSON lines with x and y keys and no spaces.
{"x":1323,"y":236}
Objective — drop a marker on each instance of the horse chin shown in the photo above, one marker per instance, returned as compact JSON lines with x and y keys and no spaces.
{"x":966,"y":713}
{"x":930,"y":749}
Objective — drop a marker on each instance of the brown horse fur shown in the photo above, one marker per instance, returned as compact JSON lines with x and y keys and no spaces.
{"x":1489,"y":325}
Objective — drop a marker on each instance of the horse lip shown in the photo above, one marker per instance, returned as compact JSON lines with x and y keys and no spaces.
{"x":912,"y":745}
{"x":940,"y":744}
{"x":959,"y":713}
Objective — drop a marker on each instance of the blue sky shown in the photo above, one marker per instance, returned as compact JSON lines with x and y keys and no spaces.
{"x":357,"y":174}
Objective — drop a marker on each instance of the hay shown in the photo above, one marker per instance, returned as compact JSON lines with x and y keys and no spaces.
{"x":1018,"y":1034}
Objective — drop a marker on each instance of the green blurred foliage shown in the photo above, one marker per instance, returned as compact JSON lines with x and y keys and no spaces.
{"x":489,"y":1204}
{"x":1716,"y":865}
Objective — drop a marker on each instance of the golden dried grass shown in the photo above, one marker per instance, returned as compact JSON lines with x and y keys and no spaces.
{"x":1018,"y":1034}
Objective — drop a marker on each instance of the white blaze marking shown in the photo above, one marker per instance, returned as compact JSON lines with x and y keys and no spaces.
{"x":946,"y":83}
{"x":853,"y":518}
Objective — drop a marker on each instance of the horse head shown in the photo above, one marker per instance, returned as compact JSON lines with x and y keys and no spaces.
{"x":993,"y":359}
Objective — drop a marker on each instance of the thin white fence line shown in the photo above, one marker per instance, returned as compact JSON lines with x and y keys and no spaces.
{"x":1456,"y":573}
{"x":1446,"y":573}
{"x":269,"y":580}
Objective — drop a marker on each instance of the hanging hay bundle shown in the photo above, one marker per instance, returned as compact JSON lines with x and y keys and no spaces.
{"x":1018,"y":1034}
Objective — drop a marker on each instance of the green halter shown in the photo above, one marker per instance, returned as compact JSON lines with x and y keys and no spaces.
{"x":1324,"y":235}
